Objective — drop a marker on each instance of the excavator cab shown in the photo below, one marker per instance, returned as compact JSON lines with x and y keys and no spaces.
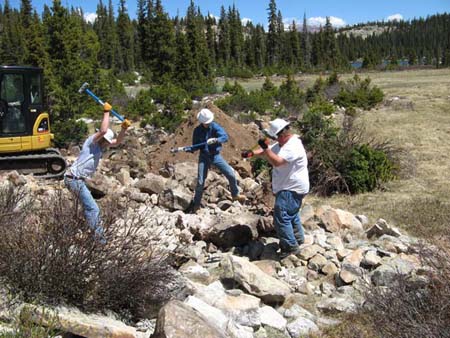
{"x":25,"y":136}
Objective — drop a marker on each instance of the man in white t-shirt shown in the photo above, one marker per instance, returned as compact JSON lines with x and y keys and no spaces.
{"x":290,"y":183}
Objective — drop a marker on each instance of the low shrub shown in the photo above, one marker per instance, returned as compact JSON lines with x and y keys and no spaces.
{"x":359,"y":93}
{"x":69,"y":131}
{"x":48,"y":254}
{"x":290,"y":96}
{"x":340,"y":161}
{"x":174,"y":98}
{"x":175,"y":101}
{"x":129,"y":78}
{"x":256,"y":101}
{"x":141,"y":106}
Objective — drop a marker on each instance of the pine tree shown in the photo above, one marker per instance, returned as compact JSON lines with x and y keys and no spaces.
{"x":126,"y":38}
{"x":11,"y":39}
{"x":185,"y":72}
{"x":195,"y":35}
{"x":224,"y":49}
{"x":306,"y":44}
{"x":161,"y":50}
{"x":211,"y":39}
{"x":329,"y":46}
{"x":236,"y":36}
{"x":272,"y":34}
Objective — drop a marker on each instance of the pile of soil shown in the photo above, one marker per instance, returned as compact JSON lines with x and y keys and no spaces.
{"x":241,"y":137}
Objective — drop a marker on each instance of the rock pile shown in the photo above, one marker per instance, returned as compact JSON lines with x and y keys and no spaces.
{"x":236,"y":284}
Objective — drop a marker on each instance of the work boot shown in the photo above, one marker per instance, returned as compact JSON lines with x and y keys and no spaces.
{"x":240,"y":198}
{"x":286,"y":253}
{"x":192,"y":209}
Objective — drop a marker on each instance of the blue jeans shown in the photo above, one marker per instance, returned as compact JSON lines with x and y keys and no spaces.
{"x":204,"y":162}
{"x":90,"y":207}
{"x":287,"y":221}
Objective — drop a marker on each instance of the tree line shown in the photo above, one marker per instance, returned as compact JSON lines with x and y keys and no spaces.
{"x":192,"y":49}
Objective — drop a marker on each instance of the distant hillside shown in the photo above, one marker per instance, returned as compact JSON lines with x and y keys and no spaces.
{"x":364,"y":31}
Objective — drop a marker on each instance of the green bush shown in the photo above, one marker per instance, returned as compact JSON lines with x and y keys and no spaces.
{"x":269,"y":87}
{"x":129,"y":78}
{"x":366,"y":168}
{"x":69,"y":131}
{"x":259,"y":165}
{"x":359,"y":93}
{"x":322,"y":106}
{"x":339,"y":161}
{"x":255,"y":101}
{"x":316,"y":91}
{"x":141,"y":106}
{"x":172,"y":97}
{"x":290,"y":96}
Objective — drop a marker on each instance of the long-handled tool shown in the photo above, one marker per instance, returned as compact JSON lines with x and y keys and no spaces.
{"x":188,"y":148}
{"x":84,"y":88}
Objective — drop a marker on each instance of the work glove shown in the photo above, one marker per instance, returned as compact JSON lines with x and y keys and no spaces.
{"x":247,"y":154}
{"x":107,"y":107}
{"x":212,"y":141}
{"x":263,"y":143}
{"x":125,"y":124}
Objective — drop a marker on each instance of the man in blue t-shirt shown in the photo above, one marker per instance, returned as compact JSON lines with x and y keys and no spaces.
{"x":209,"y":137}
{"x":85,"y":166}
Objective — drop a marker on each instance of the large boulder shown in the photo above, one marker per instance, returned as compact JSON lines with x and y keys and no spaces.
{"x":178,"y":320}
{"x":71,"y":320}
{"x":254,"y":280}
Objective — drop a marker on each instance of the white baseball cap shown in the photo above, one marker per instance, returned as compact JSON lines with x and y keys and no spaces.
{"x":276,"y":126}
{"x":205,"y":116}
{"x":109,"y":136}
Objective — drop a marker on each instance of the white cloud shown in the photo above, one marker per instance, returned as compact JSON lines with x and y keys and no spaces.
{"x":320,"y":21}
{"x":90,"y":17}
{"x":245,"y":21}
{"x":287,"y":22}
{"x":395,"y":17}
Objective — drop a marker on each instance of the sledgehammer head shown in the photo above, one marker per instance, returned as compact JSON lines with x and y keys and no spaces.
{"x":83,"y":87}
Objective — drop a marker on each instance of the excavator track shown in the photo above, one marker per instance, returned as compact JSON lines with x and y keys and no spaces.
{"x":48,"y":164}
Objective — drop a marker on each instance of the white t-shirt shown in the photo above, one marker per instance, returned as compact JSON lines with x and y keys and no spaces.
{"x":293,"y":175}
{"x":88,"y":160}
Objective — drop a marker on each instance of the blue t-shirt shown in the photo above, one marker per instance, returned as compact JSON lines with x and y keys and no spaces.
{"x":202,"y":134}
{"x":90,"y":155}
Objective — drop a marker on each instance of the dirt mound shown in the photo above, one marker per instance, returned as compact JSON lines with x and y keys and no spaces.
{"x":240,"y":137}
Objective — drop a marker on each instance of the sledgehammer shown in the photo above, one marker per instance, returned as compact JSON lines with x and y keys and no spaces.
{"x":84,"y":88}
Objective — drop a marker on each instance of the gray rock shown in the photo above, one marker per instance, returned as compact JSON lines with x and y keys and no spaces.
{"x":215,"y":316}
{"x":270,"y":317}
{"x":152,"y":184}
{"x":301,"y":327}
{"x":336,"y":305}
{"x":254,"y":280}
{"x":179,"y":320}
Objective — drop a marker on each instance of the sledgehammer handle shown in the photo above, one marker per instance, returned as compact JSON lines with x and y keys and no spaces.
{"x":91,"y":94}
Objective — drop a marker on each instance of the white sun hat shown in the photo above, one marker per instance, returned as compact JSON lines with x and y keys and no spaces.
{"x":276,"y":126}
{"x":205,"y":116}
{"x":109,"y":136}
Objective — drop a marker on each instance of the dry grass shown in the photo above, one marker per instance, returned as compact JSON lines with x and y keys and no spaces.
{"x":419,"y":123}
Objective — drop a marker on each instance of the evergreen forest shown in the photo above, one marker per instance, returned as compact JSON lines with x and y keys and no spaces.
{"x":190,"y":50}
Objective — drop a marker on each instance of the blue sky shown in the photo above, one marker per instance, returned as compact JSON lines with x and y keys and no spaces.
{"x":341,"y":12}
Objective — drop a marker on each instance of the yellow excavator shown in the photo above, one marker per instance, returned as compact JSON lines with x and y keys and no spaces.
{"x":25,"y":135}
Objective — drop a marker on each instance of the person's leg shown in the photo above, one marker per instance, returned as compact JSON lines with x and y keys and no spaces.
{"x":283,"y":216}
{"x":202,"y":173}
{"x":90,"y":207}
{"x":299,"y":232}
{"x":228,"y":172}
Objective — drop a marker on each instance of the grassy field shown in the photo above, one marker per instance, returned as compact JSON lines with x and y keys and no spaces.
{"x":416,"y":118}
